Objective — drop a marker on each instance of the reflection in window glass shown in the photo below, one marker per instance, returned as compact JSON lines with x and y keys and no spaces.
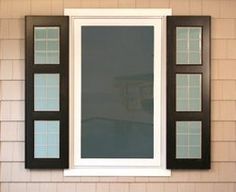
{"x":188,"y":45}
{"x":46,"y":139}
{"x":188,"y":139}
{"x":188,"y":92}
{"x":46,"y":92}
{"x":46,"y":45}
{"x":117,"y":92}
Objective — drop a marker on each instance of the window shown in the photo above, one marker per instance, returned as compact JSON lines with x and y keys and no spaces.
{"x":117,"y":68}
{"x":122,"y":106}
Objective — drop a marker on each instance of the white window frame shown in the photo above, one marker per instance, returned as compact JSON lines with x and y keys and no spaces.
{"x":118,"y":167}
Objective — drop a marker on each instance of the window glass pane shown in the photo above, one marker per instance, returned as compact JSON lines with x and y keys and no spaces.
{"x":194,"y":57}
{"x":40,"y":45}
{"x":194,"y":45}
{"x":182,"y":46}
{"x":53,"y":46}
{"x":188,"y":139}
{"x":40,"y":32}
{"x":46,"y":139}
{"x":52,"y":57}
{"x":195,"y":33}
{"x":46,"y":45}
{"x":40,"y":57}
{"x":182,"y":33}
{"x":188,"y":45}
{"x":53,"y":32}
{"x":117,"y":92}
{"x":188,"y":92}
{"x":46,"y":92}
{"x":183,"y":57}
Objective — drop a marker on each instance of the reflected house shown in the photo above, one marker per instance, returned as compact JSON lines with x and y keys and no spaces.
{"x":136,"y":91}
{"x":136,"y":133}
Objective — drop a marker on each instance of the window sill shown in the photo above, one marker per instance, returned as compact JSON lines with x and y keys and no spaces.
{"x":117,"y":171}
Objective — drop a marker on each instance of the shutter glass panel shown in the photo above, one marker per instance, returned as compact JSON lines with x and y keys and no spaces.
{"x":46,"y":45}
{"x":188,"y":45}
{"x":188,"y":92}
{"x":46,"y":92}
{"x":46,"y":139}
{"x":188,"y":139}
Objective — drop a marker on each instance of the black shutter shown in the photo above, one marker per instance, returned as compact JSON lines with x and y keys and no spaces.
{"x":187,"y":123}
{"x":51,"y":61}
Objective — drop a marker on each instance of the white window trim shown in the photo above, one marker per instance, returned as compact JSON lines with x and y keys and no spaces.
{"x":116,"y":167}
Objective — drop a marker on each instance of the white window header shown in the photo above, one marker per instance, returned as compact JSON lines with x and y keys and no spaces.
{"x":117,"y":12}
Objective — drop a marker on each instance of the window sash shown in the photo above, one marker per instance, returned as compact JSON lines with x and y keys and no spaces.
{"x":131,"y":18}
{"x":78,"y":161}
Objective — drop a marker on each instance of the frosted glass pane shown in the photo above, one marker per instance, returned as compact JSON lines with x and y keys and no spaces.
{"x":54,"y":139}
{"x":195,"y":152}
{"x":183,"y":80}
{"x":46,"y":45}
{"x":182,"y":45}
{"x":194,"y":140}
{"x":40,"y":45}
{"x":182,"y":93}
{"x":195,"y":32}
{"x":46,"y":92}
{"x":194,"y":79}
{"x":40,"y":57}
{"x":188,"y":139}
{"x":53,"y":92}
{"x":194,"y":45}
{"x":188,"y":92}
{"x":53,"y":152}
{"x":40,"y":151}
{"x":46,"y":139}
{"x":181,"y":152}
{"x":188,"y":45}
{"x":40,"y":127}
{"x":53,"y":45}
{"x":53,"y":32}
{"x":194,"y":58}
{"x":182,"y":105}
{"x":194,"y":105}
{"x":194,"y":92}
{"x":182,"y":57}
{"x":52,"y":57}
{"x":182,"y":139}
{"x":182,"y":32}
{"x":40,"y":140}
{"x":40,"y":33}
{"x":182,"y":128}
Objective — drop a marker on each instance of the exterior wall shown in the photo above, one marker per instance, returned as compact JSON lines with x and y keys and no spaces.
{"x":13,"y":176}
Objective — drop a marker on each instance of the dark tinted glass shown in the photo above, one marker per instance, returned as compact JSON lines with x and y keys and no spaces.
{"x":117,"y":92}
